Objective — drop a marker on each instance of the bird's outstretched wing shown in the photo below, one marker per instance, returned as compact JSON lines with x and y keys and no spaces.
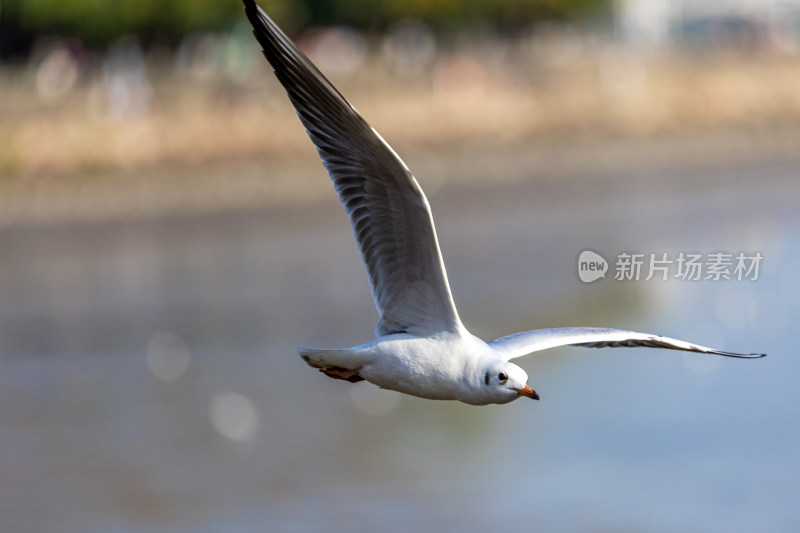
{"x":519,"y":344}
{"x":388,"y":211}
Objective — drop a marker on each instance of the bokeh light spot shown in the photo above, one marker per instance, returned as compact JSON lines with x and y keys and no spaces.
{"x":234,"y":416}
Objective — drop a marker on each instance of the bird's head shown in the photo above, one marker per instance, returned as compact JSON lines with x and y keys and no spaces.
{"x":503,"y":382}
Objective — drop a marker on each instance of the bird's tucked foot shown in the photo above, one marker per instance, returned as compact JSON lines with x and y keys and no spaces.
{"x":342,"y":373}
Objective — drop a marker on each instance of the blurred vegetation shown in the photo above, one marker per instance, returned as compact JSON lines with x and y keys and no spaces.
{"x":448,"y":14}
{"x":99,"y":22}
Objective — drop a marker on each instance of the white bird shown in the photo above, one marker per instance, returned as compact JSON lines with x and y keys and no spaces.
{"x":422,"y":348}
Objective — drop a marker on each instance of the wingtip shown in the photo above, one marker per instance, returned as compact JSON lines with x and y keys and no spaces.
{"x":251,"y":8}
{"x":741,"y":355}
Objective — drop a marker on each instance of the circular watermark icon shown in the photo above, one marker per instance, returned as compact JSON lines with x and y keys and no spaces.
{"x":591,"y":266}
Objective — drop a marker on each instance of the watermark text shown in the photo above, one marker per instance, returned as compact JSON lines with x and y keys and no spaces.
{"x":665,"y":266}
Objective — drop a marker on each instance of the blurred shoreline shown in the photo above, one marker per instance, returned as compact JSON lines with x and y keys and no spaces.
{"x":143,"y":139}
{"x":256,"y":184}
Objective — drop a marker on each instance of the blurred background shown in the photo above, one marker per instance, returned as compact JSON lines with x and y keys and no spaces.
{"x":169,"y":238}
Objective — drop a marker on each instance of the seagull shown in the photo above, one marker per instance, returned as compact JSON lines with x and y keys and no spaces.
{"x":421,"y":347}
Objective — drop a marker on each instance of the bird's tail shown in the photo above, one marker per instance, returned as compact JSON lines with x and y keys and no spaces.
{"x":319,"y":358}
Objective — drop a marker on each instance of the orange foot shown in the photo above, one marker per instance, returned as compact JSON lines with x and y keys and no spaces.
{"x":342,"y":373}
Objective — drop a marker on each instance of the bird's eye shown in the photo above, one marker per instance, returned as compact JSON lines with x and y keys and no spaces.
{"x":502,"y":376}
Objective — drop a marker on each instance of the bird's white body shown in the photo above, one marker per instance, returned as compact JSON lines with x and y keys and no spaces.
{"x":422,"y":348}
{"x":443,"y":366}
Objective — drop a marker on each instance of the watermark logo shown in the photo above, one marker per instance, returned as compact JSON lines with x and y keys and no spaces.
{"x":683,"y":266}
{"x":591,"y":266}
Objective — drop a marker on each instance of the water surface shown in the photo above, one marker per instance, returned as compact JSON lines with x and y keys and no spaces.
{"x":149,"y":379}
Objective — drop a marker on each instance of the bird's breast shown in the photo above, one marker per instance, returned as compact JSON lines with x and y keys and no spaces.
{"x":427,"y":367}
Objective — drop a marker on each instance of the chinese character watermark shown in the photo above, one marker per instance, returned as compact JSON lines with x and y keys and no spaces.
{"x":682,"y":266}
{"x":629,"y":266}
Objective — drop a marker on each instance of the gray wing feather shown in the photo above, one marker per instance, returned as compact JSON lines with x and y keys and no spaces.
{"x":388,"y":211}
{"x":519,"y":344}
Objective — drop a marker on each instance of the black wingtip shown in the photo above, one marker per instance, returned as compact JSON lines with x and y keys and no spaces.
{"x":741,"y":355}
{"x":252,"y":10}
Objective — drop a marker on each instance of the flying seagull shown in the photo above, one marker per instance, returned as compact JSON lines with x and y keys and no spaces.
{"x":421,"y":347}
